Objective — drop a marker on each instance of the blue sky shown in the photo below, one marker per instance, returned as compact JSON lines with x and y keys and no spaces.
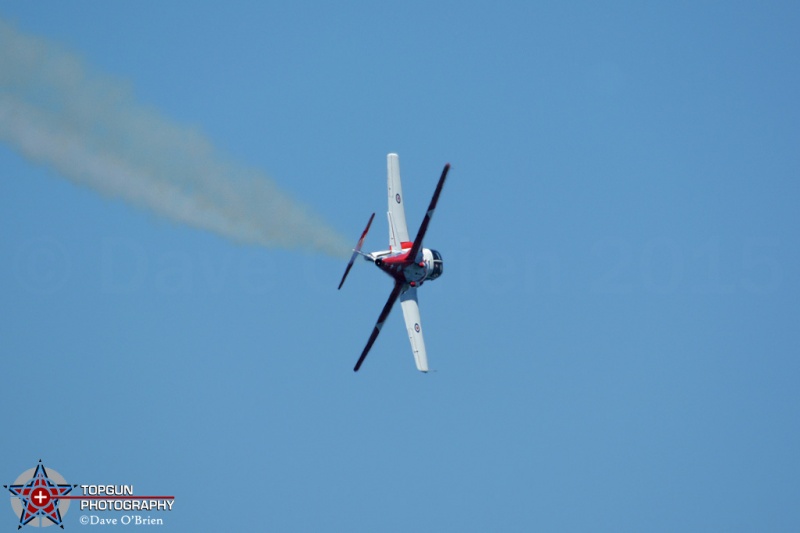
{"x":615,"y":334}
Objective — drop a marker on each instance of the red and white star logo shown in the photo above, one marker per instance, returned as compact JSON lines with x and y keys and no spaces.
{"x":39,"y":496}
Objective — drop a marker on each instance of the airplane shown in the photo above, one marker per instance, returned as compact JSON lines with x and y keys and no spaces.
{"x":407,"y":262}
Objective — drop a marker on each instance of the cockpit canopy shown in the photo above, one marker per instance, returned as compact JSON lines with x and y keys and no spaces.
{"x":438,"y":265}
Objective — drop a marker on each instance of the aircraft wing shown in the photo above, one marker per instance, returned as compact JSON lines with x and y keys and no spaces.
{"x":398,"y":230}
{"x":408,"y":301}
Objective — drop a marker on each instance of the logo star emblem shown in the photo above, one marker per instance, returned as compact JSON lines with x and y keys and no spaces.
{"x":39,"y":497}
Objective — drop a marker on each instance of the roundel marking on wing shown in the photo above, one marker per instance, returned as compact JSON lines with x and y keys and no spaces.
{"x":397,"y":198}
{"x":416,"y":328}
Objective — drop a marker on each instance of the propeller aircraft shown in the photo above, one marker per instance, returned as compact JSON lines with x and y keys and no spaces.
{"x":406,"y":262}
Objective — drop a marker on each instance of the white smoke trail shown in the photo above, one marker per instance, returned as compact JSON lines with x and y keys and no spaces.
{"x":86,"y":126}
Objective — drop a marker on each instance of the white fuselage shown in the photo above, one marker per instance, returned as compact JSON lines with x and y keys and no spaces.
{"x":400,"y":266}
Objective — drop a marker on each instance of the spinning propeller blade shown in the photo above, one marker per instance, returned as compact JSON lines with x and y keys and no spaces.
{"x":356,"y":250}
{"x":423,"y":228}
{"x":378,"y":325}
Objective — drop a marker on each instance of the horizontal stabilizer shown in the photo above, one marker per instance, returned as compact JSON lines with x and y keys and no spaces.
{"x":356,"y":250}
